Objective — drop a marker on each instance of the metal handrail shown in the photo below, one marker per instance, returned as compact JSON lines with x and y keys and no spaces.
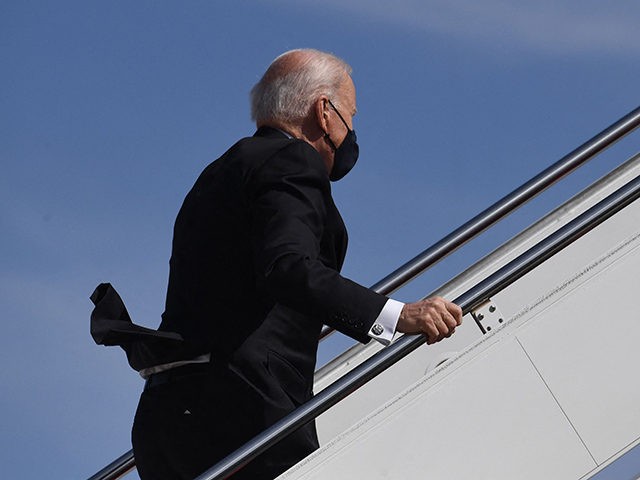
{"x":382,"y":360}
{"x":503,"y":207}
{"x":462,"y":234}
{"x":117,"y":468}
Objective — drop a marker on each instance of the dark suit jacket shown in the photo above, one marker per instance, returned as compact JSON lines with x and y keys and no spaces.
{"x":254,"y":271}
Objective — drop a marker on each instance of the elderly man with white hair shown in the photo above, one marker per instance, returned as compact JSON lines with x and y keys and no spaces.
{"x":254,"y":274}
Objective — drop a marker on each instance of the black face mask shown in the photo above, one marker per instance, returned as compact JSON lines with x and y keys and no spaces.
{"x":346,"y":155}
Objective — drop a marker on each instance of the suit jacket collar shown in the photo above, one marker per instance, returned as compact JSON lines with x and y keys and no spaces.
{"x":271,"y":132}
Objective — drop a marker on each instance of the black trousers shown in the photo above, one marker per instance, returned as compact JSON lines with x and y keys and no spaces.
{"x":186,"y":425}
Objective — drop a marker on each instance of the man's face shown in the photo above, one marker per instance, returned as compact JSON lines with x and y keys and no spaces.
{"x":345,"y":103}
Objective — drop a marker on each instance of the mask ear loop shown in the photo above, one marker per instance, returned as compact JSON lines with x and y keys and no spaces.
{"x":326,"y":134}
{"x":327,"y":137}
{"x":329,"y":141}
{"x":341,"y":118}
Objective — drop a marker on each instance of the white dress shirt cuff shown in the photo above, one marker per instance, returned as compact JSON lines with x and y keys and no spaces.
{"x":384,"y":327}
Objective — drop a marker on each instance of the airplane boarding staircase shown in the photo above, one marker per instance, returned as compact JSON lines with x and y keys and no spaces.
{"x":540,"y":381}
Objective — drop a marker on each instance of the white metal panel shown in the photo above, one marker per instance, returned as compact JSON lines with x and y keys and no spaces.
{"x":386,"y":385}
{"x":587,"y":348}
{"x":572,"y":266}
{"x":456,"y":428}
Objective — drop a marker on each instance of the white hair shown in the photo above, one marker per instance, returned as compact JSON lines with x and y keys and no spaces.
{"x":292,"y":83}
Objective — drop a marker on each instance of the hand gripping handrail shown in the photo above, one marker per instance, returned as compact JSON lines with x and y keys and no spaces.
{"x":503,"y":207}
{"x":408,"y":343}
{"x":463,"y":234}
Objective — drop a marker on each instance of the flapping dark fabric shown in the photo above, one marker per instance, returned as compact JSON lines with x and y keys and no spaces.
{"x":112,"y":325}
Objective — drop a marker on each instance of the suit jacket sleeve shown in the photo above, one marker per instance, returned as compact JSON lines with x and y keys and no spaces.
{"x":290,"y":204}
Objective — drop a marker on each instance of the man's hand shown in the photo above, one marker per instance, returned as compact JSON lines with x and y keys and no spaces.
{"x":435,"y":317}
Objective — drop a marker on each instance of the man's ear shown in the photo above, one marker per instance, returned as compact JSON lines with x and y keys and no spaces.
{"x":320,"y":108}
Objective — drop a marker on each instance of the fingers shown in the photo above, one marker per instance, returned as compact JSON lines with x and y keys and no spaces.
{"x":435,"y":317}
{"x":455,"y":311}
{"x":445,"y":316}
{"x":445,"y":327}
{"x":432,"y":331}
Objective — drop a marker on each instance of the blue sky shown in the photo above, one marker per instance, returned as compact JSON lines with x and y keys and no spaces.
{"x":111,"y":109}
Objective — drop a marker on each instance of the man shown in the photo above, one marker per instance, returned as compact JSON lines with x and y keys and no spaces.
{"x":254,"y":274}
